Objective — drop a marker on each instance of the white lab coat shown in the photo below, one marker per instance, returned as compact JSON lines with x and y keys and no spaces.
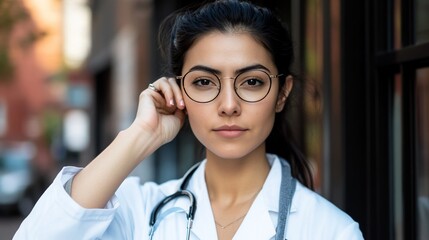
{"x":126,"y":216}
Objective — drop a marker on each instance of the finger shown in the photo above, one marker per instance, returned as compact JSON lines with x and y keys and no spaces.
{"x":153,"y":96}
{"x":164,"y":86}
{"x":161,"y":104}
{"x":177,"y":93}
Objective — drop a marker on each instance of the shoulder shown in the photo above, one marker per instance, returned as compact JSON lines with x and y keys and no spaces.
{"x":306,"y":200}
{"x":313,"y":213}
{"x":152,"y":193}
{"x":149,"y":192}
{"x":137,"y":200}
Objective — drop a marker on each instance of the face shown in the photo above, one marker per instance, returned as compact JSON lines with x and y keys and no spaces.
{"x":229,"y":127}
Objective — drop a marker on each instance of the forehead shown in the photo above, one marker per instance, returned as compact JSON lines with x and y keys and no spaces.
{"x":227,"y":52}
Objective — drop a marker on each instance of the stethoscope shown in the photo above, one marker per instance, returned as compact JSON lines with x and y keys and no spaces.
{"x":182,"y":192}
{"x":287,"y":189}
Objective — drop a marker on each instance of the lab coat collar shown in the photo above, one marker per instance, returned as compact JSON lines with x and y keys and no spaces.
{"x":204,"y":225}
{"x":272,"y":195}
{"x":266,"y":203}
{"x":259,"y":216}
{"x":206,"y":228}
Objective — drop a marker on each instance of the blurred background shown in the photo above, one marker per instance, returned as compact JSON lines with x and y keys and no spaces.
{"x":71,"y":72}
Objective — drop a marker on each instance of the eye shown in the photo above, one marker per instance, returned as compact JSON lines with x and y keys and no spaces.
{"x":253,"y":82}
{"x":203,"y":82}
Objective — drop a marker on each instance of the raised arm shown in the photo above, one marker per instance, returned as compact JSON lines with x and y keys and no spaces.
{"x":159,"y":118}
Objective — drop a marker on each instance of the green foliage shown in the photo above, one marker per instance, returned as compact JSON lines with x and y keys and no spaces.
{"x":51,"y":125}
{"x":6,"y":68}
{"x":10,"y":13}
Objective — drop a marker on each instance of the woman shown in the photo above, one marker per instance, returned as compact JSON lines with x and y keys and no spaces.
{"x":232,"y":61}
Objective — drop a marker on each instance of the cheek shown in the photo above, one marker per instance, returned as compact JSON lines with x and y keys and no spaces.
{"x":264,"y":118}
{"x":195,"y":119}
{"x":197,"y":115}
{"x":199,"y":125}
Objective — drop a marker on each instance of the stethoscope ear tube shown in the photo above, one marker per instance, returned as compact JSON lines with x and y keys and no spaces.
{"x":188,"y":176}
{"x":182,"y":192}
{"x":179,"y":193}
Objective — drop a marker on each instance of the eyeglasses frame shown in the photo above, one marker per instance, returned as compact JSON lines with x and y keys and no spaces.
{"x":271,"y":76}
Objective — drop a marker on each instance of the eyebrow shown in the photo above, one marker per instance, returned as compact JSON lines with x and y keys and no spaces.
{"x":238,"y":71}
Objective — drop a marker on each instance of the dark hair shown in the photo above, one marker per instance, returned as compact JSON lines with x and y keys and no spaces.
{"x":180,"y":30}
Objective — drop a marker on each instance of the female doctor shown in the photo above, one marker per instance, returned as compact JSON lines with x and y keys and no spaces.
{"x":231,"y":61}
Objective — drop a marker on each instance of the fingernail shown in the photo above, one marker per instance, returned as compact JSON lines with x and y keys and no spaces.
{"x":171,"y":102}
{"x":182,"y":103}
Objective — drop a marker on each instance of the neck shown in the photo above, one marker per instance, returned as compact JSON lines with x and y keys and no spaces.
{"x":235,"y":180}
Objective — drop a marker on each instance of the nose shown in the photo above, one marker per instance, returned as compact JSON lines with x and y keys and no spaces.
{"x":229,"y":102}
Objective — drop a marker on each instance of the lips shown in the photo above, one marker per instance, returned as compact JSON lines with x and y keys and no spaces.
{"x":230,"y":131}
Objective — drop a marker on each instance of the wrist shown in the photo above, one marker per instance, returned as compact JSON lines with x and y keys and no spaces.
{"x":142,"y":142}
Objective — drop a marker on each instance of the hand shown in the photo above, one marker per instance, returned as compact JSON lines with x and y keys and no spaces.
{"x":161,"y":110}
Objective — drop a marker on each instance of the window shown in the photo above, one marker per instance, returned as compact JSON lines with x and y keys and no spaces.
{"x":403,"y":66}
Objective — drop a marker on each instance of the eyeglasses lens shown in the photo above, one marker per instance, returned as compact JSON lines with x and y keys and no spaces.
{"x":203,"y":86}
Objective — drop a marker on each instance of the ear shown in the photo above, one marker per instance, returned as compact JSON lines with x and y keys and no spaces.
{"x":284,"y":93}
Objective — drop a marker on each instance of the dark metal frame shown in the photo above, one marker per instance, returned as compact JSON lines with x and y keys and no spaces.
{"x":369,"y":65}
{"x":367,"y":26}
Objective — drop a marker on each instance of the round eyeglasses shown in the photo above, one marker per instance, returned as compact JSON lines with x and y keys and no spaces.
{"x":204,"y":86}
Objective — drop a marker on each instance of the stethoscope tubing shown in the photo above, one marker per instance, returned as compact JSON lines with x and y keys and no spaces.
{"x":182,"y":192}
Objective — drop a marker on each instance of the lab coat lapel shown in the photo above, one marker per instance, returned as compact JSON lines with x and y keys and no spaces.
{"x":261,"y":220}
{"x":257,"y":224}
{"x":203,"y":227}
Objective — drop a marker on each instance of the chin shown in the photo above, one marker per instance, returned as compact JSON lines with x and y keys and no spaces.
{"x":230,"y":156}
{"x":232,"y":152}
